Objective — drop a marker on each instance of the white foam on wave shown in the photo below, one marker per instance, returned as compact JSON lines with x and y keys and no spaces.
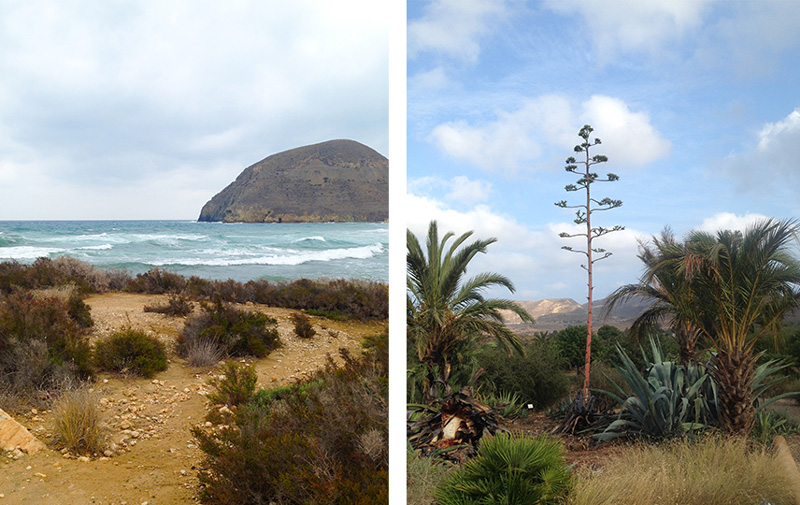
{"x":102,"y":247}
{"x":316,"y":237}
{"x":26,"y":252}
{"x":286,"y":258}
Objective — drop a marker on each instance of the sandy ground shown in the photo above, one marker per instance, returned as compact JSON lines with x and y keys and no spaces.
{"x":156,"y":458}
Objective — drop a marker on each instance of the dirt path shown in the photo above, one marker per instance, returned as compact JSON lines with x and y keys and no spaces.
{"x":153,"y":457}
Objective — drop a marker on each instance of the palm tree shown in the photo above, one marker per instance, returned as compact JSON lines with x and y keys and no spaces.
{"x":747,"y":284}
{"x":446,"y":313}
{"x":673,"y":298}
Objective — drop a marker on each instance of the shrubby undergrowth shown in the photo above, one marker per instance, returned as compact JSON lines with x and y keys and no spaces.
{"x":537,"y":377}
{"x":233,"y":331}
{"x":334,"y":298}
{"x":321,"y":441}
{"x":131,"y":352}
{"x":42,"y":347}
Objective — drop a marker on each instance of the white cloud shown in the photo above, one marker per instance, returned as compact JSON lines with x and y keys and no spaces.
{"x":729,"y":221}
{"x":776,"y":147}
{"x":634,"y":25}
{"x":542,"y":127}
{"x":628,"y":137}
{"x":531,"y":257}
{"x":102,"y":92}
{"x":468,"y":191}
{"x":434,"y":79}
{"x":454,"y":27}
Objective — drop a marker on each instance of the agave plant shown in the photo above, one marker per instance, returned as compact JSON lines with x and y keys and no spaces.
{"x":668,"y":399}
{"x":671,"y":399}
{"x":510,"y":469}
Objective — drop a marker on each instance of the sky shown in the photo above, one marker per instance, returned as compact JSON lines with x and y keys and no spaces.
{"x":145,"y":110}
{"x":697,"y":104}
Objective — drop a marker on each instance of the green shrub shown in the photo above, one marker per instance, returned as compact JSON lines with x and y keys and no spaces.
{"x":131,"y":352}
{"x":323,"y":441}
{"x":771,"y":423}
{"x":537,"y":377}
{"x":237,"y":332}
{"x":508,"y":405}
{"x":176,"y":306}
{"x":40,"y":344}
{"x":77,"y":423}
{"x":511,"y":469}
{"x":237,"y":386}
{"x":302,"y":325}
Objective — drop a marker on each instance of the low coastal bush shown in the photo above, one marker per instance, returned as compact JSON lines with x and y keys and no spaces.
{"x":302,"y":325}
{"x":77,"y":423}
{"x":157,"y":281}
{"x":47,"y":273}
{"x":131,"y":352}
{"x":537,"y":377}
{"x":235,"y":331}
{"x":321,"y":441}
{"x":236,"y":387}
{"x":513,"y":469}
{"x":41,"y":345}
{"x":176,"y":306}
{"x":711,"y":471}
{"x":337,"y":298}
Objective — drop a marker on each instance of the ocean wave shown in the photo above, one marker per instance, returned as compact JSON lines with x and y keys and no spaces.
{"x":314,"y":238}
{"x":102,"y":247}
{"x":27,"y":252}
{"x":286,"y":258}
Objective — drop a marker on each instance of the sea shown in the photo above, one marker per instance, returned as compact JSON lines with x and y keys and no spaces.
{"x":215,"y":251}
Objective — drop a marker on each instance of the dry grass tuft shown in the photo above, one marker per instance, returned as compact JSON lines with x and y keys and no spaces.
{"x":713,"y":471}
{"x":423,"y":475}
{"x":203,"y":353}
{"x":78,"y":423}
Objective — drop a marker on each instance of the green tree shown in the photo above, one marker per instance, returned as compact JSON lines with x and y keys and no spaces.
{"x":446,"y":312}
{"x":673,"y":297}
{"x":747,"y":283}
{"x":583,"y":216}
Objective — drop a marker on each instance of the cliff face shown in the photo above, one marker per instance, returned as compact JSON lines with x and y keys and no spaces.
{"x":337,"y":180}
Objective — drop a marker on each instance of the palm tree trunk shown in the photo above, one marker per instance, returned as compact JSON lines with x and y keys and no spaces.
{"x":734,"y":371}
{"x":687,"y":340}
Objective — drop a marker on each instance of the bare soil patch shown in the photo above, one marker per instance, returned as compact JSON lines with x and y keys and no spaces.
{"x":155,"y":458}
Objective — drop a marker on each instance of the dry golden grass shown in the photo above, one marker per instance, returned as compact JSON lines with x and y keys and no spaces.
{"x":713,"y":471}
{"x":78,"y":423}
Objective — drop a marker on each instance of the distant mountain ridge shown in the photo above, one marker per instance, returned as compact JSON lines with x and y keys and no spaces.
{"x":554,"y":314}
{"x":338,"y":180}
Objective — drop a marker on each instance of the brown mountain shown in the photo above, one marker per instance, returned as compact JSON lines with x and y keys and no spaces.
{"x":337,"y":180}
{"x":557,"y":313}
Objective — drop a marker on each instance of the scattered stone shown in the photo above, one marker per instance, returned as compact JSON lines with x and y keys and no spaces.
{"x":83,"y":459}
{"x":40,"y":475}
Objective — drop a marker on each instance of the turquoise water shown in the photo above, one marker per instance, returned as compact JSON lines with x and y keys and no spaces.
{"x":241,"y":252}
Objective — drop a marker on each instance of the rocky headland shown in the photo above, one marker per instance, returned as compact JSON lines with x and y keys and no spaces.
{"x":333,"y":181}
